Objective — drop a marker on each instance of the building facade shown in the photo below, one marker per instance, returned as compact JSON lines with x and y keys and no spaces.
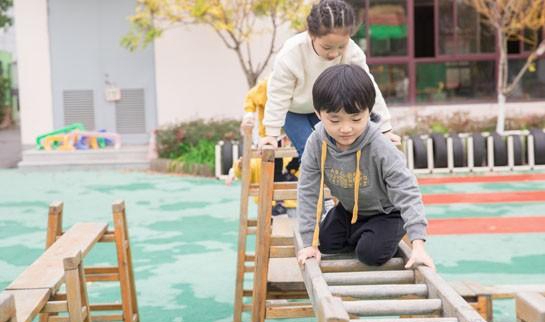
{"x":426,"y":55}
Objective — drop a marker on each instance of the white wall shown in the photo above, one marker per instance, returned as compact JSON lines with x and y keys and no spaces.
{"x":198,"y":77}
{"x":34,"y":73}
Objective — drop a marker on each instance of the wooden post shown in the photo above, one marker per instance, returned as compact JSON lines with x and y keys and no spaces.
{"x":54,"y":231}
{"x":76,"y":290}
{"x":124,"y":260}
{"x":243,"y":224}
{"x":7,"y":308}
{"x":263,"y":235}
{"x":54,"y":223}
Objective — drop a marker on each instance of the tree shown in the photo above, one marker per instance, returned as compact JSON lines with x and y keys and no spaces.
{"x":5,"y":19}
{"x":236,"y":22}
{"x":512,"y":19}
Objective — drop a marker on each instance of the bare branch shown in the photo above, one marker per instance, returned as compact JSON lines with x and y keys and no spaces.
{"x":533,"y":56}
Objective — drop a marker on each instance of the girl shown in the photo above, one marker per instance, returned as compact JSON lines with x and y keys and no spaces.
{"x":302,"y":58}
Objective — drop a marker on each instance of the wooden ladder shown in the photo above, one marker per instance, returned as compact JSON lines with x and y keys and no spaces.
{"x":273,"y":287}
{"x":343,"y":289}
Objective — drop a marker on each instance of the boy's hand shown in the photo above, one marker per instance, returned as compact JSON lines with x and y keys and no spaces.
{"x":268,"y":140}
{"x":419,"y":256}
{"x":396,"y":139}
{"x":308,"y":252}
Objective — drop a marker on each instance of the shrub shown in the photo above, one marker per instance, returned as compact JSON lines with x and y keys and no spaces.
{"x":193,"y":142}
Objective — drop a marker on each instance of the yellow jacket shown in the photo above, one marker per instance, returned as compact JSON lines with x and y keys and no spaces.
{"x":254,"y":102}
{"x":255,"y":174}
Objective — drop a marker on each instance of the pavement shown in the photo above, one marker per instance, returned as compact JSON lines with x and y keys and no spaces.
{"x":10,"y":147}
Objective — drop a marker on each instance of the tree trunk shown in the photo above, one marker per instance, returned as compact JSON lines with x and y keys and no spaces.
{"x":502,"y":81}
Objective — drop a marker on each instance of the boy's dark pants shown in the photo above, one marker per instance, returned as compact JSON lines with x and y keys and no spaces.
{"x":374,"y":238}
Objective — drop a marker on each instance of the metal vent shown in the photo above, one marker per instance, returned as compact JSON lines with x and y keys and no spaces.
{"x":130,"y":112}
{"x":79,"y":107}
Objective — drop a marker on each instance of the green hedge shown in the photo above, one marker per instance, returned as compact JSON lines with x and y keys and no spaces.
{"x":194,"y":142}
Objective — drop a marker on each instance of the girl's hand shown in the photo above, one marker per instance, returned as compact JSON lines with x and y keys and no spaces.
{"x":248,"y":120}
{"x":308,"y":252}
{"x":268,"y":140}
{"x":419,"y":256}
{"x":396,"y":139}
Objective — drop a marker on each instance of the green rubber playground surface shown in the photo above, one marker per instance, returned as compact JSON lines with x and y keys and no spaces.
{"x":184,"y":232}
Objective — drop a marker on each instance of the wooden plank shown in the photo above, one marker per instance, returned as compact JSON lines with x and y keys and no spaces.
{"x":385,"y":291}
{"x":286,"y":152}
{"x":290,"y":311}
{"x":263,"y":235}
{"x":453,"y":304}
{"x":7,"y":308}
{"x":530,"y":307}
{"x":353,"y":265}
{"x":284,"y":271}
{"x":369,"y":278}
{"x":55,"y":307}
{"x":505,"y":291}
{"x":106,"y":307}
{"x":244,"y":223}
{"x":28,"y":303}
{"x":393,"y":307}
{"x":47,"y":271}
{"x":282,"y":251}
{"x":114,"y":317}
{"x":326,"y":307}
{"x":282,"y":227}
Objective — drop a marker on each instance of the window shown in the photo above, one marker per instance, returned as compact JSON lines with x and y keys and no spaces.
{"x":387,"y":25}
{"x":393,"y":81}
{"x":532,"y":84}
{"x":455,"y":81}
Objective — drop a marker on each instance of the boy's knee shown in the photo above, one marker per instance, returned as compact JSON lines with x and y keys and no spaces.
{"x":372,"y":256}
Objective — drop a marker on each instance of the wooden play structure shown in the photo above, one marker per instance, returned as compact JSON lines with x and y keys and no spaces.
{"x":54,"y":286}
{"x":530,"y":307}
{"x":270,"y":284}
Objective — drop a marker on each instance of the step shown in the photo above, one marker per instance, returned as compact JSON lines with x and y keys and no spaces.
{"x":393,"y":307}
{"x":380,"y":291}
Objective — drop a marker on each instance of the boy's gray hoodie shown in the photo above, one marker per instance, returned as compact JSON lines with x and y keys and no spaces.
{"x":386,"y":184}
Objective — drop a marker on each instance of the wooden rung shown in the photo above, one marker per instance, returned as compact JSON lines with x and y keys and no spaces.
{"x":247,"y":293}
{"x":102,"y":278}
{"x":409,"y":320}
{"x":281,"y":241}
{"x":108,"y":237}
{"x":252,"y":222}
{"x":249,"y":258}
{"x":278,"y":153}
{"x":246,"y":307}
{"x":289,"y":310}
{"x":282,"y":251}
{"x":353,"y":265}
{"x":370,"y":278}
{"x":393,"y":307}
{"x":251,"y":230}
{"x":249,"y":269}
{"x":106,"y":307}
{"x":101,"y":270}
{"x":59,"y":319}
{"x":115,"y":317}
{"x":55,"y":307}
{"x":380,"y":291}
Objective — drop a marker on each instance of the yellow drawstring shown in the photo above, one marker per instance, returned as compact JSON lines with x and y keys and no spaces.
{"x":320,"y":196}
{"x":356,"y":188}
{"x":319,"y":206}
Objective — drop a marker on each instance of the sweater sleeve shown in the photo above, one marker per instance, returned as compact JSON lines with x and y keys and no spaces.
{"x":403,"y":192}
{"x":279,"y":97}
{"x":308,"y":189}
{"x":358,"y":58}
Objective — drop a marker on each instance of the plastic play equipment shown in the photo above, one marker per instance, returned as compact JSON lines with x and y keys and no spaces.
{"x":63,"y":130}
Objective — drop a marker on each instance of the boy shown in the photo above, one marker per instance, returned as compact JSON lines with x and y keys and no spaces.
{"x":379,"y":199}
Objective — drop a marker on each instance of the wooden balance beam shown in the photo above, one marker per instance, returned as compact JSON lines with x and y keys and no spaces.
{"x":36,"y":290}
{"x":530,"y":307}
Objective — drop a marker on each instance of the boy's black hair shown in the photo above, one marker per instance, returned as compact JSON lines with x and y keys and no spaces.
{"x":343,"y":87}
{"x":329,"y":15}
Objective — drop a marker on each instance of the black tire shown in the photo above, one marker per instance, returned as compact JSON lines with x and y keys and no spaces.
{"x":440,"y":155}
{"x":458,"y":151}
{"x":539,"y":145}
{"x":479,"y":150}
{"x":420,"y":153}
{"x":518,"y":153}
{"x":500,"y":150}
{"x":226,"y":157}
